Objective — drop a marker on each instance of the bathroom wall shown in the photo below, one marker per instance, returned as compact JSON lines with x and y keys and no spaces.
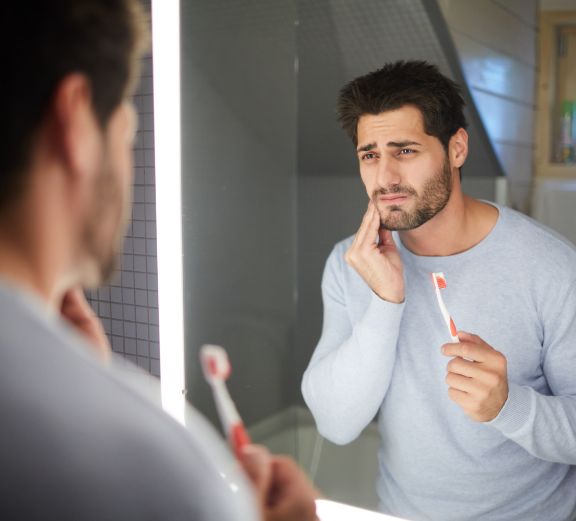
{"x":496,"y":42}
{"x":128,"y":306}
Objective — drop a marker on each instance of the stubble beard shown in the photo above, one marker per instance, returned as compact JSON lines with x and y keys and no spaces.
{"x":435,"y":195}
{"x":105,"y":228}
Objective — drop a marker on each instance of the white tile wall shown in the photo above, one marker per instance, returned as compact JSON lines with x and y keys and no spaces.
{"x":129,"y":306}
{"x":495,"y":72}
{"x":505,"y":120}
{"x":495,"y":25}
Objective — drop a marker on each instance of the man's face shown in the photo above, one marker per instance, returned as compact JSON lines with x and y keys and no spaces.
{"x":405,"y":171}
{"x":111,"y":196}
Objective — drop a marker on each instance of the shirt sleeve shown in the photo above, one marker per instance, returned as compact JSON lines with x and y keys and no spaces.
{"x":545,"y":425}
{"x":350,"y":370}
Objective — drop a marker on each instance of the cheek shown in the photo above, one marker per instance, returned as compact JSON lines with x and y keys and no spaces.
{"x":367,"y":180}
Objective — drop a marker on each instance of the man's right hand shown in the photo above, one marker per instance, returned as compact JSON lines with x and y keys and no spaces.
{"x":379,"y":264}
{"x":283,"y":491}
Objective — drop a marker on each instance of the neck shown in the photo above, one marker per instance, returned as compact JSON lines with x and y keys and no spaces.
{"x":35,"y":246}
{"x":462,"y":224}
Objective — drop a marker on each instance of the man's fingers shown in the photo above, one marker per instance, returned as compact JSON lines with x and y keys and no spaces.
{"x":464,"y":336}
{"x":461,"y":383}
{"x":79,"y":314}
{"x":473,"y":351}
{"x":460,"y":397}
{"x":284,"y":492}
{"x":386,"y":243}
{"x":385,"y":237}
{"x":75,"y":306}
{"x":464,"y":367}
{"x":363,"y":224}
{"x":479,"y":353}
{"x":476,"y":377}
{"x":257,"y":463}
{"x":293,"y":495}
{"x":368,"y":228}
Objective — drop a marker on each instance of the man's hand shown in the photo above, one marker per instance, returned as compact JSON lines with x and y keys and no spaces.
{"x":76,"y":310}
{"x":477,"y":377}
{"x":284,"y":493}
{"x":380,"y":264}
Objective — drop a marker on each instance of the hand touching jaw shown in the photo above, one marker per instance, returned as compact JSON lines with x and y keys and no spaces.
{"x":378,"y":264}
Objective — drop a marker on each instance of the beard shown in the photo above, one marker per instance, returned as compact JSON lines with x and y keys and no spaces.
{"x":435,"y":195}
{"x":105,"y":226}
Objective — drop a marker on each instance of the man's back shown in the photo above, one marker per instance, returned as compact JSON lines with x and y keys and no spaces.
{"x":77,"y":442}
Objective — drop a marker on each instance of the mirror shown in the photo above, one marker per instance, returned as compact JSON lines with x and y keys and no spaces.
{"x":270,"y":184}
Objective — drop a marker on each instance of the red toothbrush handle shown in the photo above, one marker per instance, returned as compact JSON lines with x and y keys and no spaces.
{"x":239,"y":438}
{"x":453,"y":330}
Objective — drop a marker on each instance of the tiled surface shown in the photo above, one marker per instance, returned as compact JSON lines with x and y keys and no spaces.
{"x":128,"y":307}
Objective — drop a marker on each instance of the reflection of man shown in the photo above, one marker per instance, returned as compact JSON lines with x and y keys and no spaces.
{"x":480,"y":429}
{"x":78,"y":441}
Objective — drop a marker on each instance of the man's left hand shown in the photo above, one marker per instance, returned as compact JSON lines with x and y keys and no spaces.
{"x":76,"y":310}
{"x":477,"y":377}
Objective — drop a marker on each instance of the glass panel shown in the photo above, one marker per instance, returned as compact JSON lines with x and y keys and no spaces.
{"x":239,"y":208}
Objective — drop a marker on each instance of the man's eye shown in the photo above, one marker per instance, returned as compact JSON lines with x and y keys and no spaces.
{"x":406,"y":151}
{"x":368,"y":155}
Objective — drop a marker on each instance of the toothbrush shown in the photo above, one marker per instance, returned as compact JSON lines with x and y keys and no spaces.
{"x":440,"y":283}
{"x":216,"y":368}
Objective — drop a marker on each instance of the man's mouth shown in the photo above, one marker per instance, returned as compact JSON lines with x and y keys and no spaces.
{"x":392,"y":198}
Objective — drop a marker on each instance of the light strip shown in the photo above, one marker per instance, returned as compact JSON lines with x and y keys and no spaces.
{"x":166,"y":61}
{"x":332,"y":511}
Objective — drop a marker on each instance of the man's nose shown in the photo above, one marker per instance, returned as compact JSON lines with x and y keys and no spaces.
{"x":388,"y":173}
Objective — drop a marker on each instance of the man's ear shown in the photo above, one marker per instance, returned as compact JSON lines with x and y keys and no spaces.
{"x":77,"y":132}
{"x":458,"y":148}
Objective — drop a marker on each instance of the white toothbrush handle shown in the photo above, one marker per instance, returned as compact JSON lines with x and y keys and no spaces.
{"x":234,"y":429}
{"x":226,"y":409}
{"x":445,"y":314}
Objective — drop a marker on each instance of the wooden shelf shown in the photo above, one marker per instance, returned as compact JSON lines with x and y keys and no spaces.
{"x":548,"y":87}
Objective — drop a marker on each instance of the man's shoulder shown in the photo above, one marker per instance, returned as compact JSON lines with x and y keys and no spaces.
{"x":337,"y":272}
{"x":523,"y":231}
{"x":341,"y":247}
{"x":335,"y":262}
{"x":80,"y":426}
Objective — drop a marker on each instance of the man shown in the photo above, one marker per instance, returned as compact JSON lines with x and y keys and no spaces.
{"x":483,"y":428}
{"x":79,"y":439}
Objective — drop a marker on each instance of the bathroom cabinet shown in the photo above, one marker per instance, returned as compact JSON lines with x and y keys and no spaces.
{"x":556,"y":109}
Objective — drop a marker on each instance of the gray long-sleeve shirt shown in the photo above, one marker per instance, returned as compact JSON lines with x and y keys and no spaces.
{"x":81,"y":441}
{"x":517,"y":290}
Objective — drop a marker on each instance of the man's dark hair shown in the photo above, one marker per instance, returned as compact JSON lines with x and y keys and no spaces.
{"x":416,"y":83}
{"x":42,"y":41}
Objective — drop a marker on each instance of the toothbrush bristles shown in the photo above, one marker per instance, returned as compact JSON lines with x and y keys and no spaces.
{"x":440,"y":280}
{"x":215,"y":363}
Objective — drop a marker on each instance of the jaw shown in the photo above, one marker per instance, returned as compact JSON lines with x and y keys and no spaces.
{"x":393,"y":216}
